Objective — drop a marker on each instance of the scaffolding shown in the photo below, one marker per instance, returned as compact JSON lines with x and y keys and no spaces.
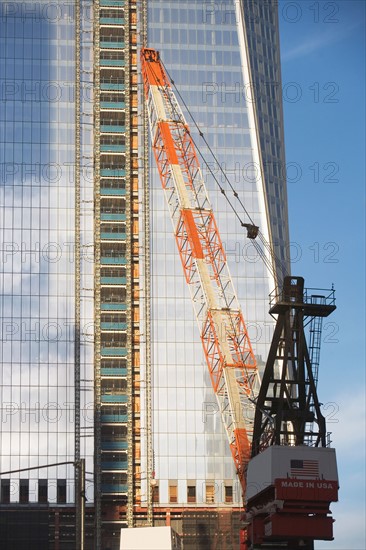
{"x":117,"y":411}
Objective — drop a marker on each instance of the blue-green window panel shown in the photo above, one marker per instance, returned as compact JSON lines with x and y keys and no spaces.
{"x":113,"y":326}
{"x":118,"y":418}
{"x":116,"y":3}
{"x":112,"y":45}
{"x":114,"y":445}
{"x":115,"y":488}
{"x":112,"y":63}
{"x":112,"y":104}
{"x":113,"y":261}
{"x":113,"y":236}
{"x":109,"y":371}
{"x":114,"y":398}
{"x":111,"y":21}
{"x":113,"y":148}
{"x":106,"y":86}
{"x":113,"y":281}
{"x":116,"y":352}
{"x":108,"y":260}
{"x":112,"y":129}
{"x":113,"y":217}
{"x":112,"y":191}
{"x":107,"y":172}
{"x":113,"y":307}
{"x":114,"y":465}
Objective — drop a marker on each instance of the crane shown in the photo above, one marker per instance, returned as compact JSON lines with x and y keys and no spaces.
{"x":226,"y":344}
{"x":268,"y":423}
{"x":292,"y":477}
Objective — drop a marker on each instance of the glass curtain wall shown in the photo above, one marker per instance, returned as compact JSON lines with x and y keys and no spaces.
{"x":199,"y":44}
{"x":37,"y":231}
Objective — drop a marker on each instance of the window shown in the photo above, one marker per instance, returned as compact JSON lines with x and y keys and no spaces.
{"x":114,"y":386}
{"x":155,"y":493}
{"x":191,"y":493}
{"x":112,"y":139}
{"x":112,"y":118}
{"x":114,"y":433}
{"x":173,"y":493}
{"x":112,"y":12}
{"x":114,"y":479}
{"x":112,"y":161}
{"x":116,"y":183}
{"x":110,"y":228}
{"x":24,"y":491}
{"x":114,"y":272}
{"x":228,"y":494}
{"x":5,"y":491}
{"x":113,"y":364}
{"x":112,"y":35}
{"x":113,"y":206}
{"x":112,"y":54}
{"x":42,"y":490}
{"x":61,"y":491}
{"x":113,"y":295}
{"x":114,"y":340}
{"x":114,"y":457}
{"x":114,"y":410}
{"x":210,"y":493}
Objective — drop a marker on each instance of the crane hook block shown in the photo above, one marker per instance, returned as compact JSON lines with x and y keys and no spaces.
{"x":252,"y":230}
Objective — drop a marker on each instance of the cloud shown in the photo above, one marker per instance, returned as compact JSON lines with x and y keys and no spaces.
{"x":317,"y":42}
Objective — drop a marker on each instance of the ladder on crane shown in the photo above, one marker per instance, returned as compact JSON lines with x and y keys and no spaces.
{"x":315,"y":331}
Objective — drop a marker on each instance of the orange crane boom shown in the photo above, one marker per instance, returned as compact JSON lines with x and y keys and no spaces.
{"x":228,"y":351}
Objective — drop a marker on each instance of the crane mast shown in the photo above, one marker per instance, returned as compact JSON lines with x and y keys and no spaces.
{"x":228,"y":351}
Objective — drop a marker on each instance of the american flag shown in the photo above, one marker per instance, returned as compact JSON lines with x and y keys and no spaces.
{"x":304,"y":468}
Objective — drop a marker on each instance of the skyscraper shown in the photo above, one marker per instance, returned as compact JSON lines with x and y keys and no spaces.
{"x":101,"y":355}
{"x":224,"y":59}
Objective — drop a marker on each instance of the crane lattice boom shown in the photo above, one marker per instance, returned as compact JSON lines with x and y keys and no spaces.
{"x":224,"y":336}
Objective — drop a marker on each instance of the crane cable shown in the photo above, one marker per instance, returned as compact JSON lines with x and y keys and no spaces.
{"x":159,"y":83}
{"x":266,"y":245}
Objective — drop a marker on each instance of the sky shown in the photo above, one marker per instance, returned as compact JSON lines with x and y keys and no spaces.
{"x":323,"y":44}
{"x":323,"y":77}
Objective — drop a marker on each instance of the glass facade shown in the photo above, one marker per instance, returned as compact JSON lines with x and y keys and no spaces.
{"x":261,"y":23}
{"x":203,"y":46}
{"x":76,"y":253}
{"x":37,"y":229}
